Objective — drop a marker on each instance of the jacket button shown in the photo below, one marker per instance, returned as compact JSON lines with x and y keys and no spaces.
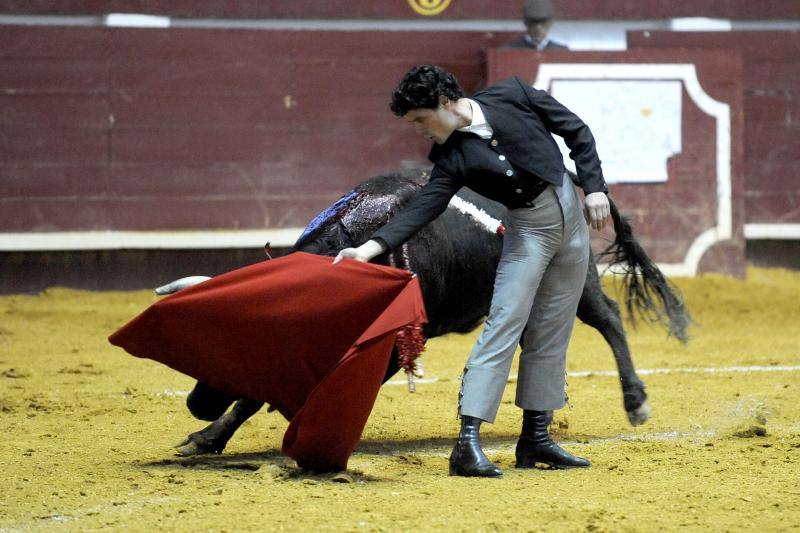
{"x":501,"y":158}
{"x":494,"y":142}
{"x":509,"y":172}
{"x":518,"y":191}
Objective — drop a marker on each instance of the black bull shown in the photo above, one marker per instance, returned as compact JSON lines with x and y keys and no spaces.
{"x":455,"y":258}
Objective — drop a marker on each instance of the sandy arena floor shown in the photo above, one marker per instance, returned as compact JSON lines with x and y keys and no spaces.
{"x":87,"y":432}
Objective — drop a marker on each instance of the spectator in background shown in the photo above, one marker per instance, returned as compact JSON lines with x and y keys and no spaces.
{"x":538,"y":16}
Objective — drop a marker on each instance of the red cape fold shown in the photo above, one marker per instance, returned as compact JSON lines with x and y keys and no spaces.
{"x":311,"y":339}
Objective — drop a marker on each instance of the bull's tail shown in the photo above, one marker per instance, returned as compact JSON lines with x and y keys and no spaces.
{"x":648,"y":293}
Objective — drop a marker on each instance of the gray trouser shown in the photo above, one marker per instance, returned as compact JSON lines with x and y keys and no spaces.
{"x":536,"y":292}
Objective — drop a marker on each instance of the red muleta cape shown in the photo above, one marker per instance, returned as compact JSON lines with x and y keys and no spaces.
{"x":311,"y":339}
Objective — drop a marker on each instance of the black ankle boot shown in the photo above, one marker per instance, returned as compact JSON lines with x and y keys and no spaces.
{"x":536,"y":446}
{"x":467,"y":458}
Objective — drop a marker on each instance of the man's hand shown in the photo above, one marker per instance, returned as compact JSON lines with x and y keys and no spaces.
{"x":363,"y":253}
{"x":597,"y":210}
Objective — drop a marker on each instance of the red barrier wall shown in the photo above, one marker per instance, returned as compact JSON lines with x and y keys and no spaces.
{"x":145,"y":129}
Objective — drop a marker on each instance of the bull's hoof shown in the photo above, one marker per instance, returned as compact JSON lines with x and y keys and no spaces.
{"x":640,"y":415}
{"x":195,"y":445}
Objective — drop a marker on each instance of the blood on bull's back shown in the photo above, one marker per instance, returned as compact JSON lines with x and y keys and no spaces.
{"x":455,"y":256}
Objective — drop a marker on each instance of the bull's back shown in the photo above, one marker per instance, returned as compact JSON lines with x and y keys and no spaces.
{"x":455,"y":257}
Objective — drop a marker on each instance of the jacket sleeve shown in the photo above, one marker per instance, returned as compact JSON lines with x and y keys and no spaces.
{"x":576,"y":134}
{"x":429,"y":202}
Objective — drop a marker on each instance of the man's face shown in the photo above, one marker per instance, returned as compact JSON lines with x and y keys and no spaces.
{"x":538,"y":28}
{"x":435,"y":124}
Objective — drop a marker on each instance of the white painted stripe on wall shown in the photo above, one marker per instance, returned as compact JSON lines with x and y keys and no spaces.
{"x":147,"y":240}
{"x":772,"y":231}
{"x":131,"y":20}
{"x":186,"y":240}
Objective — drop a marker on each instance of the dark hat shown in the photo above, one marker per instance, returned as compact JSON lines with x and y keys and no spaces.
{"x":538,"y":9}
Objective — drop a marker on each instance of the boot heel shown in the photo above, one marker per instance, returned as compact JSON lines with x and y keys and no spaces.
{"x":453,"y":469}
{"x":536,"y":446}
{"x":525,"y":462}
{"x":467,"y":458}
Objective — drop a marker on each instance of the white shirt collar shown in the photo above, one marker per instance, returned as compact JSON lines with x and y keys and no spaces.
{"x":479,"y":125}
{"x":539,"y":46}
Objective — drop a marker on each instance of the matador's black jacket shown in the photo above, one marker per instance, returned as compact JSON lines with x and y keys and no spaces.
{"x":512,"y":167}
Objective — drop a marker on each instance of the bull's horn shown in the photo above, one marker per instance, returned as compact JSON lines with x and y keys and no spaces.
{"x":179,"y":284}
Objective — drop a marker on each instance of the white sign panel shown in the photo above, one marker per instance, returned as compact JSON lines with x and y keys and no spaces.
{"x":636,"y":124}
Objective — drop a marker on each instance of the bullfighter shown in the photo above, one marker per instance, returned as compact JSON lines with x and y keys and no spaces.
{"x":499,"y":144}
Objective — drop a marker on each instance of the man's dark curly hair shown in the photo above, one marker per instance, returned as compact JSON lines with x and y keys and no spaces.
{"x":421,"y":88}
